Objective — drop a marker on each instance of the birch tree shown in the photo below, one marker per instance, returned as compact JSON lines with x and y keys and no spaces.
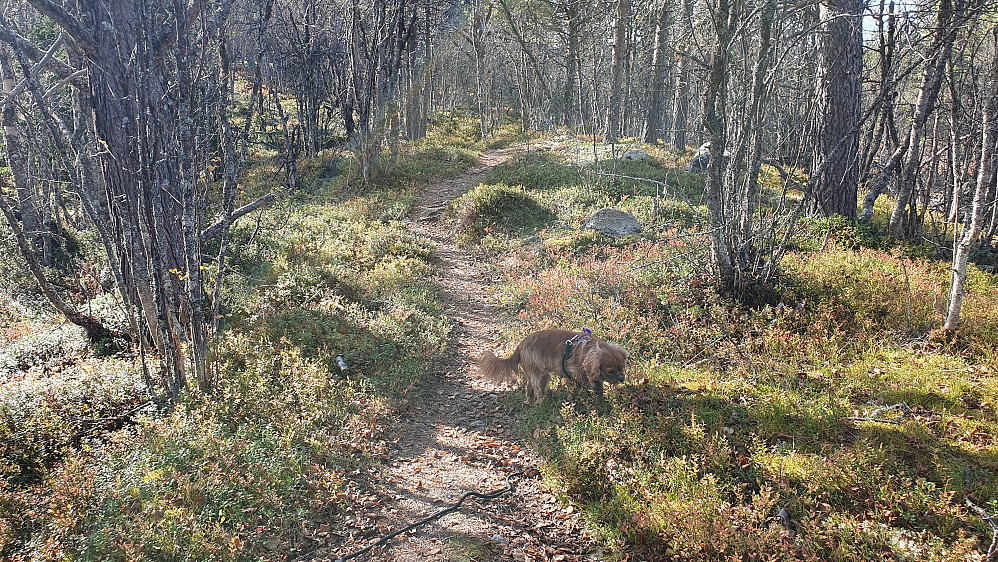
{"x":984,"y":185}
{"x":138,"y":155}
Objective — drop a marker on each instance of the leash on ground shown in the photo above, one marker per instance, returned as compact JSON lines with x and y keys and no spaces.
{"x":437,"y":515}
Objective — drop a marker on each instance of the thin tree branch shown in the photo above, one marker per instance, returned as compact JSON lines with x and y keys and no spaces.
{"x":67,"y":22}
{"x":59,"y":68}
{"x":72,"y":77}
{"x":94,"y":328}
{"x":991,"y":520}
{"x":38,"y":66}
{"x":216,"y":229}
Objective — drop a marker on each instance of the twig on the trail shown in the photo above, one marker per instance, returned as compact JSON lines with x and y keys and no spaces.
{"x":991,"y":520}
{"x":437,"y":515}
{"x":899,"y":407}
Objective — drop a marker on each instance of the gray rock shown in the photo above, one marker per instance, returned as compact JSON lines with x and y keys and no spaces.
{"x":613,"y":222}
{"x":701,"y":160}
{"x":635,"y":155}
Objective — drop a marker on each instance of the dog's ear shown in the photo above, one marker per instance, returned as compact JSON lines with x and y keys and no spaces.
{"x":591,"y":361}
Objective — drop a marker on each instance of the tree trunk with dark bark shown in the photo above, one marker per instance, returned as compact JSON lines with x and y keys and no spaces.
{"x":681,"y":114}
{"x":573,"y":85}
{"x":617,"y":80}
{"x":835,"y":164}
{"x":659,"y":68}
{"x":143,"y":117}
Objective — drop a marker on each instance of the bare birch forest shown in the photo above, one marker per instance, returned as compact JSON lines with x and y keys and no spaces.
{"x":133,"y":120}
{"x":219,"y":195}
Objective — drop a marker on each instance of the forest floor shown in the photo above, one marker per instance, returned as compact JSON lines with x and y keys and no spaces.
{"x":744,"y":430}
{"x":454,"y":436}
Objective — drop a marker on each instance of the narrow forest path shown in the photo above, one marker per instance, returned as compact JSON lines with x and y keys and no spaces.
{"x":454,"y":437}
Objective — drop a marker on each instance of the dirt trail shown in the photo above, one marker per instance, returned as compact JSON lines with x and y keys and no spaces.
{"x":454,"y":438}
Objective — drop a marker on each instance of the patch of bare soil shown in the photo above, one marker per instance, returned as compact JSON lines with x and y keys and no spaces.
{"x":455,"y":437}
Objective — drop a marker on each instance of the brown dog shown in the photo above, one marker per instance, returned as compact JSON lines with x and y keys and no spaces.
{"x":591,"y":361}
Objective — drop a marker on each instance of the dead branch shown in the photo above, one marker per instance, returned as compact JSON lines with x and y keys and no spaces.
{"x":216,"y":229}
{"x":70,"y":24}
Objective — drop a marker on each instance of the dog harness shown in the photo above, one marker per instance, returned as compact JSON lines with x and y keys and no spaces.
{"x":570,"y":345}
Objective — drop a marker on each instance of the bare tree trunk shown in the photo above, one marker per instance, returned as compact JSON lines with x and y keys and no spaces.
{"x":681,"y":114}
{"x":835,"y":164}
{"x":572,"y":104}
{"x":619,"y":57}
{"x":527,"y":51}
{"x":884,"y":133}
{"x":352,"y":100}
{"x":659,"y":65}
{"x":985,"y":182}
{"x":290,"y":153}
{"x":143,"y":111}
{"x":477,"y":40}
{"x":908,"y":150}
{"x":714,"y":111}
{"x":926,"y":193}
{"x":755,"y":125}
{"x":27,"y":202}
{"x":945,"y":33}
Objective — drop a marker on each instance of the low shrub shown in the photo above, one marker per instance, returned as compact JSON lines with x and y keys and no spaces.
{"x":225,"y":476}
{"x":866,"y":291}
{"x":732,"y":437}
{"x":498,"y":207}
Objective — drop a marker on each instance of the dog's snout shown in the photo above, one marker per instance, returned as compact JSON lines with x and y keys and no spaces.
{"x":620,"y":377}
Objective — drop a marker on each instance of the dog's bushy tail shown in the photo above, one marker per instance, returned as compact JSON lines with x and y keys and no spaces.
{"x":498,"y":370}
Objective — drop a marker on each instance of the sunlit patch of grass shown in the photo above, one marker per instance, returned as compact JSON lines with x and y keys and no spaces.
{"x":508,"y":133}
{"x":431,"y":162}
{"x":222,"y":476}
{"x":535,"y":171}
{"x":732,"y":413}
{"x":457,"y":129}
